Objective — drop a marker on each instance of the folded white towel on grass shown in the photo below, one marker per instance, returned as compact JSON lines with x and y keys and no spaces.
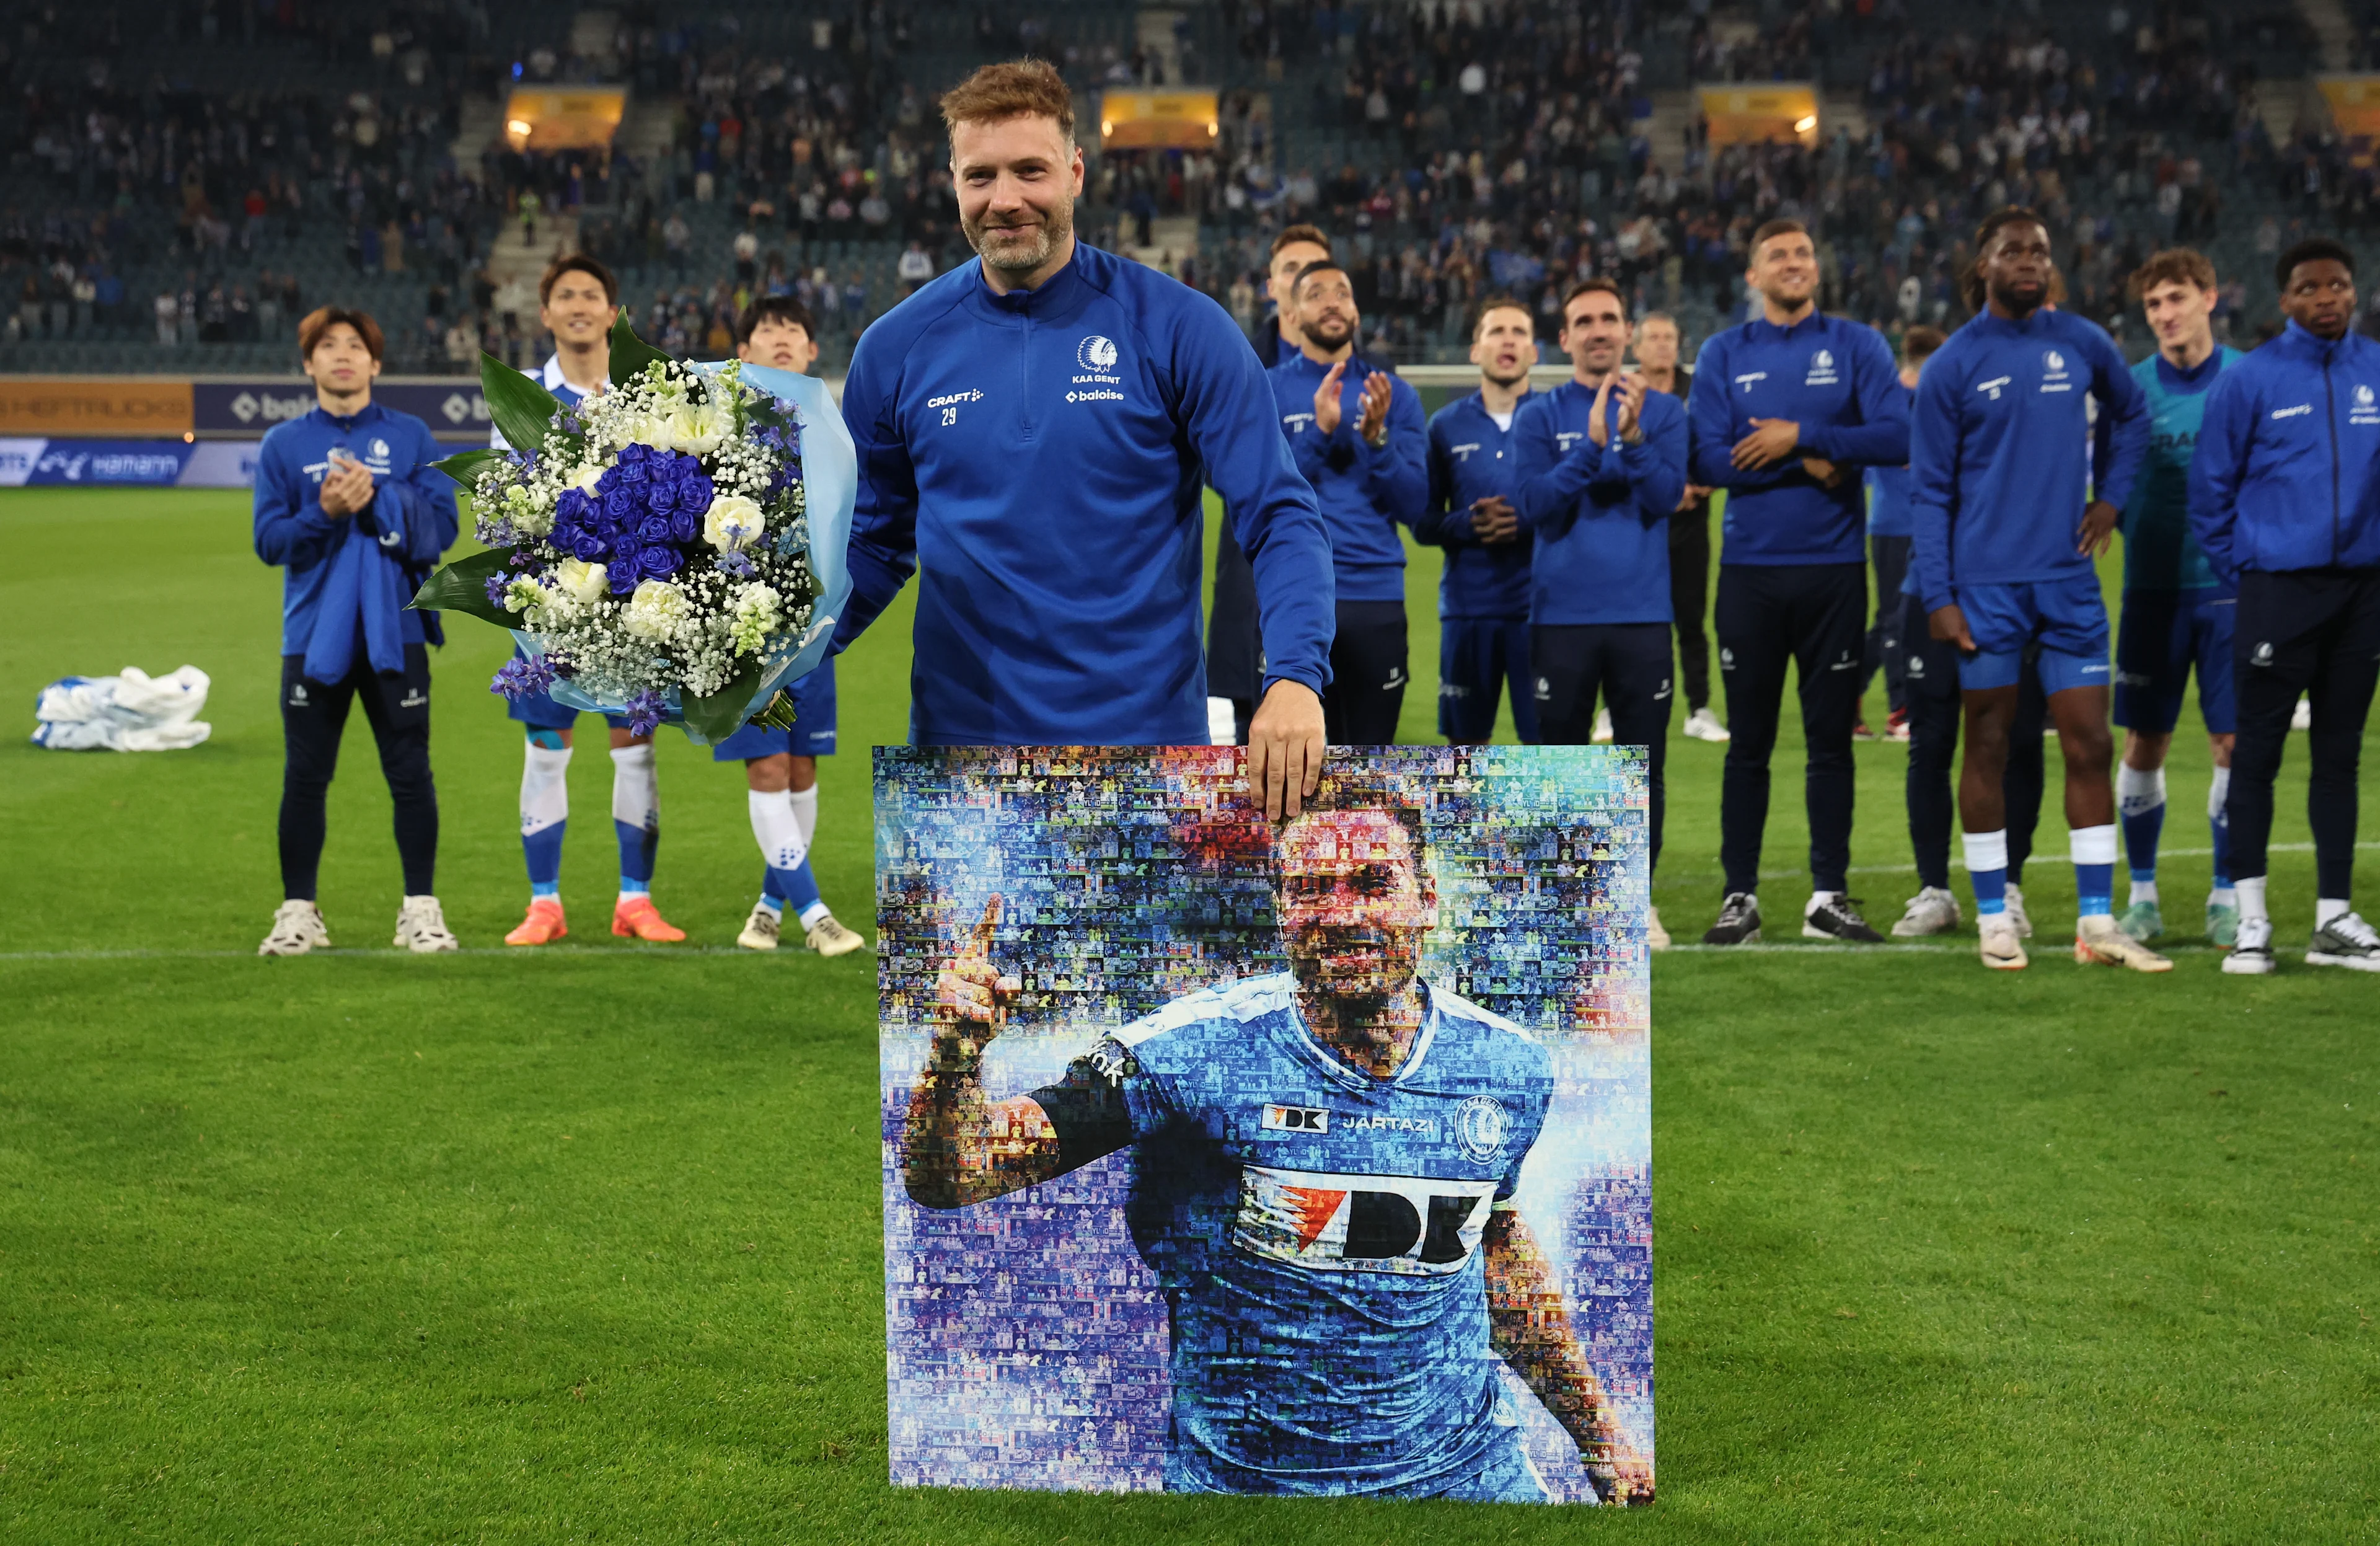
{"x":134,"y":711}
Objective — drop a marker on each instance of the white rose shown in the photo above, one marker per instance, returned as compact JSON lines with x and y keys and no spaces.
{"x":733,"y":523}
{"x":581,"y":581}
{"x":655,"y":610}
{"x":586,"y":477}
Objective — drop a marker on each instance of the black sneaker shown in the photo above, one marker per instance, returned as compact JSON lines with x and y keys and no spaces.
{"x":1836,"y":917}
{"x":2345,"y":941}
{"x":1738,"y":920}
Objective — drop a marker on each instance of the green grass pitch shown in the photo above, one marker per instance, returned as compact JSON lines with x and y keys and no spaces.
{"x":584,"y":1245}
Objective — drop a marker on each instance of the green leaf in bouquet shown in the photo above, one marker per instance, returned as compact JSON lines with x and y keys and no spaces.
{"x":464,"y":466}
{"x":630,"y":354}
{"x":522,"y":408}
{"x":721,"y":715}
{"x":462,"y":586}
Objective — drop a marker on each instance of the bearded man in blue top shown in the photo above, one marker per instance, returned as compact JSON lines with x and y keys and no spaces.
{"x":1325,"y":1162}
{"x":1036,"y":432}
{"x":2003,"y":462}
{"x":2178,"y":613}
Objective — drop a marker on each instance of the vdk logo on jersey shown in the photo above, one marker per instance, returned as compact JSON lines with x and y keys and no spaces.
{"x":1822,"y":370}
{"x":1411,"y":1225}
{"x":1296,"y":1119}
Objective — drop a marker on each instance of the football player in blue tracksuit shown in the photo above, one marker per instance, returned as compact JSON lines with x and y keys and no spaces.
{"x":346,"y":501}
{"x":2284,"y":500}
{"x":781,"y":766}
{"x":2001,"y":463}
{"x":577,"y":298}
{"x":1358,"y":438}
{"x":1324,"y":1167}
{"x":1483,"y":593}
{"x":1787,"y":408}
{"x":1036,"y":428}
{"x":2177,"y":613}
{"x":1602,"y":465}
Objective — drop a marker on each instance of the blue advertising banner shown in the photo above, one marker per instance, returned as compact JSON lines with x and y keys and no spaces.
{"x":155,"y":463}
{"x":454,"y":409}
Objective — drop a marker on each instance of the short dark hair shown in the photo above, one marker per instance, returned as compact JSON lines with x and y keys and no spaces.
{"x":778,"y":308}
{"x":1597,"y":285}
{"x":1499,"y":302}
{"x":325,"y":318}
{"x":1292,"y":235}
{"x":1971,"y":283}
{"x":2175,"y":266}
{"x":2313,"y":249}
{"x":1920,"y":342}
{"x":1776,"y":228}
{"x":1362,"y":790}
{"x":576,"y":262}
{"x":1319,"y":265}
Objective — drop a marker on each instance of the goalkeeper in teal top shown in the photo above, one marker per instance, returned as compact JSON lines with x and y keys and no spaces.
{"x":1325,"y":1162}
{"x":2178,"y":615}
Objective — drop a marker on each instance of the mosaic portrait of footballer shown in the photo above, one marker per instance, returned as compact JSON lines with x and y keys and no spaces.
{"x":1319,"y":1160}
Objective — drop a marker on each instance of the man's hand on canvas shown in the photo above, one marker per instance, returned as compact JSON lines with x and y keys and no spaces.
{"x":1285,"y":750}
{"x":972,"y":997}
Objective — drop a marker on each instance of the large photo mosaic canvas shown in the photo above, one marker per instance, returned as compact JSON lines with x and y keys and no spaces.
{"x":1307,"y":1159}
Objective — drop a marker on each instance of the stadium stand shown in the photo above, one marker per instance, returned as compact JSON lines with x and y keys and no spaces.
{"x":185,"y":178}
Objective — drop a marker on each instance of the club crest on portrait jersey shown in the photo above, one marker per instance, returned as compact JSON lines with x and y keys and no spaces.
{"x":1481,"y":1125}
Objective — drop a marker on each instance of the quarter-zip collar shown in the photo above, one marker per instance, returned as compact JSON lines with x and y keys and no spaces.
{"x":1766,"y":331}
{"x":346,"y":424}
{"x":1049,"y":301}
{"x":2304,"y":343}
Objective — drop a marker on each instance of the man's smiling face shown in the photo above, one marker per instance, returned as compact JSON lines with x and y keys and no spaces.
{"x":1353,"y":903}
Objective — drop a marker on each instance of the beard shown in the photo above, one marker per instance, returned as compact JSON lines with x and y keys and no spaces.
{"x":1021,"y":251}
{"x":1329,"y":335}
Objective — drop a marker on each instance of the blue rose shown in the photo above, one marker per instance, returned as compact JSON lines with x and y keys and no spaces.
{"x":685,"y":526}
{"x":587,"y":546}
{"x":663,"y":496}
{"x":621,"y":504}
{"x":653,"y":529}
{"x":694,"y":494}
{"x":658,"y":563}
{"x":571,"y":505}
{"x":620,"y":576}
{"x":630,"y":456}
{"x":635,"y":475}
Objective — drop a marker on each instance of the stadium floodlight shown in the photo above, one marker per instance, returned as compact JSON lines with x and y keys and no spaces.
{"x":1806,"y":124}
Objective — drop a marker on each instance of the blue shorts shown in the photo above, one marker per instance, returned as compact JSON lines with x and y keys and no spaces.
{"x":2066,"y":617}
{"x":813,"y":731}
{"x":2161,"y":637}
{"x":1476,"y":658}
{"x":539,"y":712}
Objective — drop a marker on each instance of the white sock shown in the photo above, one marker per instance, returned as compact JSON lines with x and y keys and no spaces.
{"x":1986,"y":850}
{"x":811,"y":914}
{"x":635,"y":787}
{"x":2142,"y":891}
{"x":2091,"y":845}
{"x":775,"y":828}
{"x":805,"y":812}
{"x":2327,"y":907}
{"x":772,"y":904}
{"x":2218,"y":793}
{"x":545,"y":788}
{"x":2251,"y":889}
{"x":2138,"y":789}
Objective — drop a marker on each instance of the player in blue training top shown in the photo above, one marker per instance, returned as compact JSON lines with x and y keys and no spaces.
{"x":2178,"y":613}
{"x":2001,"y":464}
{"x":1034,"y":431}
{"x":1357,"y":435}
{"x":1483,"y":593}
{"x":1324,"y":1166}
{"x":576,"y":299}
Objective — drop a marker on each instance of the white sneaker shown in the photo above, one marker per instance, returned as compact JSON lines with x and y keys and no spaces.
{"x":2301,"y":717}
{"x":1931,"y":911}
{"x":1601,"y":735}
{"x":2252,"y":954}
{"x":829,"y":937}
{"x":2016,"y":914}
{"x":2002,"y":949}
{"x":760,"y":929}
{"x":1703,"y":726}
{"x":421,"y":927}
{"x":298,"y":927}
{"x":1655,"y":937}
{"x":2099,"y":940}
{"x":2345,"y":941}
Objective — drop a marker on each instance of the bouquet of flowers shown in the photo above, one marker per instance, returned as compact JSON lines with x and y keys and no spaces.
{"x":660,"y":550}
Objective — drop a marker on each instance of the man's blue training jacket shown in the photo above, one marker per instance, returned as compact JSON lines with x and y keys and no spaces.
{"x":1470,"y":460}
{"x":2003,"y":456}
{"x":2287,"y":474}
{"x":1042,"y":454}
{"x":1365,"y":492}
{"x":350,"y":577}
{"x":1599,"y":514}
{"x":1835,"y":378}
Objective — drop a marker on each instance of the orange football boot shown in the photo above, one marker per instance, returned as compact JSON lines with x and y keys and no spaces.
{"x":542,"y":926}
{"x":637,"y":916}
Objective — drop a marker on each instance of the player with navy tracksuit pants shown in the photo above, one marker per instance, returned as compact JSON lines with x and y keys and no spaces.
{"x":1601,"y":465}
{"x":2285,"y":501}
{"x":1483,"y":593}
{"x":1786,"y":410}
{"x":2003,"y":459}
{"x":1370,"y":473}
